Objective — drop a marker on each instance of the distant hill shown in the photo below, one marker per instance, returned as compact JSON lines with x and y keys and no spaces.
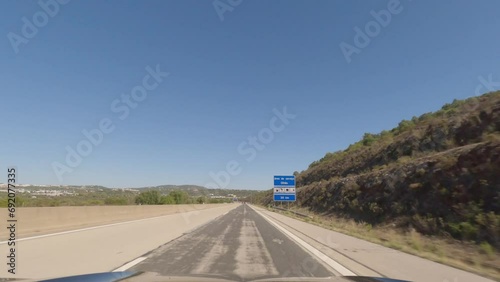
{"x":192,"y":190}
{"x":438,"y":173}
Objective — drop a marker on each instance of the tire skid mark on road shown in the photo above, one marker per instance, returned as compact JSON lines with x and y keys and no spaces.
{"x":181,"y":247}
{"x":252,"y":257}
{"x":235,"y":246}
{"x":218,"y":250}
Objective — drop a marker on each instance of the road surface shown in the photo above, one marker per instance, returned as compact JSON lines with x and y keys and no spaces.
{"x":233,"y":241}
{"x":252,"y":243}
{"x":100,"y":248}
{"x":240,"y":245}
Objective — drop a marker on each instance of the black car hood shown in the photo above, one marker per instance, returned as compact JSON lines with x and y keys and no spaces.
{"x":127,"y":276}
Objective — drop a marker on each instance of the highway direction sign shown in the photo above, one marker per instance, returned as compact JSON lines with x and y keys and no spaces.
{"x":284,"y":188}
{"x":284,"y":198}
{"x":284,"y":181}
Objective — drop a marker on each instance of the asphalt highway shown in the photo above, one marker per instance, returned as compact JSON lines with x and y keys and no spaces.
{"x":228,"y":242}
{"x":240,"y":245}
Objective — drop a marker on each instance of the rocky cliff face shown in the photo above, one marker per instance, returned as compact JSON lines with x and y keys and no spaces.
{"x":438,"y":173}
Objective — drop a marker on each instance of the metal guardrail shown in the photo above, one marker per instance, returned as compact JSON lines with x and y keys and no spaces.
{"x":292,"y":211}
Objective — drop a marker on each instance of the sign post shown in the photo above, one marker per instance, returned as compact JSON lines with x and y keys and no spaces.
{"x":284,"y":189}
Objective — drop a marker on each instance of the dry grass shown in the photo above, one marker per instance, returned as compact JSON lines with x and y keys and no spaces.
{"x":34,"y":221}
{"x":480,"y":259}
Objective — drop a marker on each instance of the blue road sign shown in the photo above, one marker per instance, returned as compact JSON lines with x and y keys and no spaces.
{"x":284,"y":181}
{"x":284,"y":188}
{"x":284,"y":197}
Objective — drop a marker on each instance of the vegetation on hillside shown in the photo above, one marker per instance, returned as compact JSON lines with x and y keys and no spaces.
{"x":82,"y":198}
{"x":438,"y":174}
{"x":99,"y":195}
{"x":153,"y":197}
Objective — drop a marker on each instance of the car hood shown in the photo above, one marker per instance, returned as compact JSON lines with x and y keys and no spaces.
{"x":128,"y":276}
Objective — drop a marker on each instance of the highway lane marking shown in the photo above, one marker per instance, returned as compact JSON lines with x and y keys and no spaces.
{"x":333,"y":264}
{"x":90,"y":228}
{"x":275,"y":240}
{"x":334,"y":249}
{"x":129,"y":264}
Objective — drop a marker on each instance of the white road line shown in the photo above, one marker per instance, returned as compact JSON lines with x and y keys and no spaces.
{"x":129,"y":264}
{"x":333,"y":264}
{"x":88,"y":228}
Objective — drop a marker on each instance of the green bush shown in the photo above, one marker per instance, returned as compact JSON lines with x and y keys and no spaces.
{"x":354,"y":147}
{"x":464,"y":230}
{"x":368,"y":139}
{"x":404,"y":125}
{"x":167,"y":200}
{"x":148,"y":198}
{"x":115,"y":201}
{"x":313,"y":164}
{"x":487,"y":249}
{"x":180,"y":197}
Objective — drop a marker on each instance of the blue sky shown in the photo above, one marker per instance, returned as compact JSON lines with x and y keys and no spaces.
{"x":225,"y":78}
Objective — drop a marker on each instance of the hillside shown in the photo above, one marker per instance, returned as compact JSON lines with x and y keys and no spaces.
{"x":438,"y":174}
